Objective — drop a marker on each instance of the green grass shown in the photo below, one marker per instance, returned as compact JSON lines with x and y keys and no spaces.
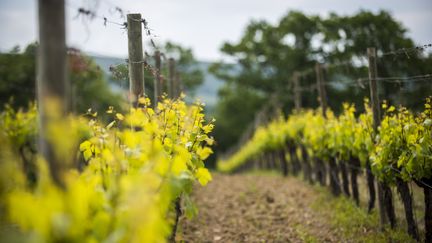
{"x":353,"y":222}
{"x":304,"y":235}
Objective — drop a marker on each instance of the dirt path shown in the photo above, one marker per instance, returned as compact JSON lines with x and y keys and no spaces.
{"x":256,"y":208}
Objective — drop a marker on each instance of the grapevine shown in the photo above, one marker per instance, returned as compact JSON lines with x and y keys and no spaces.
{"x":121,"y":177}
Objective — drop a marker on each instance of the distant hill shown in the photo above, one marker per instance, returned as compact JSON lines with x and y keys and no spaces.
{"x":207,"y":92}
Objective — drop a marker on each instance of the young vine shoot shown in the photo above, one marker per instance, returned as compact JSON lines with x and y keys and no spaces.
{"x":120,"y":180}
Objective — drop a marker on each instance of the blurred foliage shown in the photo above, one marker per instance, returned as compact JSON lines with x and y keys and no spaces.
{"x":89,"y":89}
{"x":267,"y":56}
{"x":17,"y":76}
{"x":240,"y":113}
{"x":190,"y":75}
{"x":116,"y":184}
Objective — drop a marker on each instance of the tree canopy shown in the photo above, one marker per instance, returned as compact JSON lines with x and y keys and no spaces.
{"x":89,"y":89}
{"x":268,"y":55}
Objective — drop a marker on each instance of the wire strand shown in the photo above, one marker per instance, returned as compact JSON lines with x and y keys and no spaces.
{"x":92,"y":15}
{"x":407,"y":51}
{"x":415,"y":78}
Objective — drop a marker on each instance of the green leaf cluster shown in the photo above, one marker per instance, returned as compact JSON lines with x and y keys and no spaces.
{"x":402,"y":147}
{"x":120,"y":178}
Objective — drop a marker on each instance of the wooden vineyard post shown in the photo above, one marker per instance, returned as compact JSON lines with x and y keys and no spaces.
{"x":333,"y":170}
{"x":321,"y":89}
{"x":136,"y":58}
{"x":171,"y":74}
{"x":158,"y":79}
{"x":297,"y":107}
{"x":53,"y":88}
{"x":376,"y":121}
{"x":177,"y":85}
{"x":385,"y":200}
{"x":297,"y":91}
{"x":373,"y":88}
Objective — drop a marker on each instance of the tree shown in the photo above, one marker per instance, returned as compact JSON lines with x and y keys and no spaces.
{"x":268,"y":55}
{"x":186,"y":64}
{"x":89,"y":88}
{"x":233,"y":102}
{"x":17,"y":77}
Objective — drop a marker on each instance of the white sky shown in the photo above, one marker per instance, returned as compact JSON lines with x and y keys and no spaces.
{"x":200,"y":24}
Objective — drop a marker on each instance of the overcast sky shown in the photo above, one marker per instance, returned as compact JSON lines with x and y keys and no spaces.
{"x":200,"y":24}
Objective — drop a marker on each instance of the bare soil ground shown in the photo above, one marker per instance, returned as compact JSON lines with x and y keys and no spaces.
{"x":257,"y":208}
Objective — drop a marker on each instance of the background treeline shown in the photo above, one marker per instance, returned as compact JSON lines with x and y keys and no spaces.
{"x":268,"y":55}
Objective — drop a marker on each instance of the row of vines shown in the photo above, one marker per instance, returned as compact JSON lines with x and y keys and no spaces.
{"x":122,"y":180}
{"x":340,"y":147}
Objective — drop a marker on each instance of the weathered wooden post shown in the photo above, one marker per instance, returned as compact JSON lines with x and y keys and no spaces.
{"x":136,"y":58}
{"x":385,"y":200}
{"x":333,"y":168}
{"x":321,"y":88}
{"x":158,"y":80}
{"x":297,"y":91}
{"x":177,"y":85}
{"x":53,"y":88}
{"x":171,"y":74}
